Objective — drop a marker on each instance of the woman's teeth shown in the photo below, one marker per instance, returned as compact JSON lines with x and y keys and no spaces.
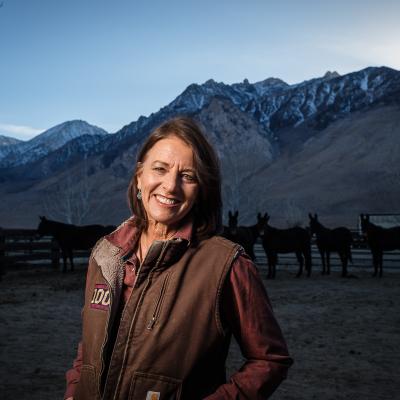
{"x":165,"y":200}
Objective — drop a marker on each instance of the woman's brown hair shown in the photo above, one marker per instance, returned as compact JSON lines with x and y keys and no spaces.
{"x":207,"y":209}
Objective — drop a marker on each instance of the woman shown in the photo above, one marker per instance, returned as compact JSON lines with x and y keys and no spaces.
{"x":164,"y":293}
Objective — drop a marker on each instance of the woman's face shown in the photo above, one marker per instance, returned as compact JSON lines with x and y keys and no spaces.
{"x":168,"y":182}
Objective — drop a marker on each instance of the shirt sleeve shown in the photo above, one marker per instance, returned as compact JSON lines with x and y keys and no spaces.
{"x":247,"y":312}
{"x":73,"y":375}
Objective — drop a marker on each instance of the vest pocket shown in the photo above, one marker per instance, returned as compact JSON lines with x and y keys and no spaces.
{"x":146,"y":386}
{"x":87,"y":388}
{"x":158,"y":303}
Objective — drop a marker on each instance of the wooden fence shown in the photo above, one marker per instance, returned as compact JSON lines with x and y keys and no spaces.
{"x":23,"y":246}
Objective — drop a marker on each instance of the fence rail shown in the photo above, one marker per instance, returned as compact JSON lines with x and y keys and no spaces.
{"x":362,"y":260}
{"x":22,"y":246}
{"x":25,"y":246}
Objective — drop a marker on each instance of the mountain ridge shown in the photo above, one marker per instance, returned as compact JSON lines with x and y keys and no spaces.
{"x":260,"y":133}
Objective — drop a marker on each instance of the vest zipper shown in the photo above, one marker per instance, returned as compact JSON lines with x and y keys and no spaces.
{"x":148,"y":282}
{"x":158,"y":303}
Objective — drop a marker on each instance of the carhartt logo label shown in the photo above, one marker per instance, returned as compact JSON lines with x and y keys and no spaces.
{"x":101,"y":297}
{"x":153,"y":396}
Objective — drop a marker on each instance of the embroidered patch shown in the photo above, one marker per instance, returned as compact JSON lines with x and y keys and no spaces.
{"x":153,"y":395}
{"x":101,"y":297}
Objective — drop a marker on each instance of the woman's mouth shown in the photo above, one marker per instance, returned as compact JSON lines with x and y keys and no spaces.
{"x":166,"y":200}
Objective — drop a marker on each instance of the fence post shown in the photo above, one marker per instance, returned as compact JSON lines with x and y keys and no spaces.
{"x":55,"y":254}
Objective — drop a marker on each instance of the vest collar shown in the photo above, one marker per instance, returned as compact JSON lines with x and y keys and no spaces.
{"x":161,"y":254}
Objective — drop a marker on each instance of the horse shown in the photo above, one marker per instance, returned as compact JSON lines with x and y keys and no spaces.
{"x":293,"y":240}
{"x":70,"y":237}
{"x":230,"y":231}
{"x":379,"y":240}
{"x":246,"y":236}
{"x":338,"y":239}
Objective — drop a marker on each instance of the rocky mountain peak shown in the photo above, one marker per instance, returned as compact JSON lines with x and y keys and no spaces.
{"x":330,"y":75}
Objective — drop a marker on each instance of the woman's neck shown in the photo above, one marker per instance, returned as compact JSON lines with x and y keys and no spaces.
{"x":153,"y":232}
{"x":157,"y":231}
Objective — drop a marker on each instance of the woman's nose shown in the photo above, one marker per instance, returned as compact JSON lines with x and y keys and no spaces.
{"x":171,"y":182}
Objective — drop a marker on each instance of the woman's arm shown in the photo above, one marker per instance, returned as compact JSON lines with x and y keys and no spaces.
{"x":73,"y":375}
{"x":247,"y":312}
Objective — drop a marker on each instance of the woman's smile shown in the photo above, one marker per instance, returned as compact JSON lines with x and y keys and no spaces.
{"x":166,"y":201}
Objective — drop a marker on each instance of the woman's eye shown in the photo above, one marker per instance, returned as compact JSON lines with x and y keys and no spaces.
{"x":189,"y":178}
{"x":158,"y":169}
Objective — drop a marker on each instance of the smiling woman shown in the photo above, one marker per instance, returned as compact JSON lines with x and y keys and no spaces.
{"x":168,"y":185}
{"x":164,"y":293}
{"x":183,"y":148}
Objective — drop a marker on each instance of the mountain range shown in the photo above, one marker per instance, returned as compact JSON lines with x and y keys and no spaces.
{"x":329,"y":145}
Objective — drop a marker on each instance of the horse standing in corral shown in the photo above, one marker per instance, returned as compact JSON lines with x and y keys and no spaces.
{"x":379,"y":240}
{"x":293,"y":240}
{"x":70,"y":237}
{"x":246,"y":236}
{"x":328,"y":240}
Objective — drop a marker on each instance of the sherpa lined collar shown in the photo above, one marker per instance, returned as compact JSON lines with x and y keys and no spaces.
{"x":161,"y":253}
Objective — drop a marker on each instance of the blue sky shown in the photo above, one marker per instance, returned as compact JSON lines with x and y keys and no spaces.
{"x":110,"y":62}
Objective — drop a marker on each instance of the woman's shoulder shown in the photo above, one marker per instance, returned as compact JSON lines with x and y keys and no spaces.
{"x":221,"y":242}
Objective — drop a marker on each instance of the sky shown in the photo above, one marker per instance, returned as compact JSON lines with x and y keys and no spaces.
{"x":109,"y":62}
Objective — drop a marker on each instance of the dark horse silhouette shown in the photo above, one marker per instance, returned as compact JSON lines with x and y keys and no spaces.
{"x":293,"y":240}
{"x":328,"y":240}
{"x":70,"y":237}
{"x":379,"y":240}
{"x":246,"y":236}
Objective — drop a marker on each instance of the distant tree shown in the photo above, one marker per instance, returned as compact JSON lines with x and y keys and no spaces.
{"x":73,"y":198}
{"x":292,"y":213}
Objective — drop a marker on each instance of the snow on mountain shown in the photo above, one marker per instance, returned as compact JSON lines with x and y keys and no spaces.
{"x":277,"y":105}
{"x":46,"y":142}
{"x":272,"y":103}
{"x":8,"y":141}
{"x":321,"y":101}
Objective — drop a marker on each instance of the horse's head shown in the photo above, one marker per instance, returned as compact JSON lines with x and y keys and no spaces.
{"x":314,"y":223}
{"x":262,"y":222}
{"x":233,"y":222}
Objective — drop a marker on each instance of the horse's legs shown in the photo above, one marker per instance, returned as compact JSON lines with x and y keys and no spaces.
{"x":328,"y":262}
{"x":64,"y":256}
{"x":274,"y":262}
{"x":380,"y":264}
{"x":269,"y":260}
{"x":251,"y":252}
{"x":299,"y":257}
{"x":375,"y":257}
{"x":71,"y":259}
{"x":308,"y":260}
{"x":322,"y":253}
{"x":343,"y":259}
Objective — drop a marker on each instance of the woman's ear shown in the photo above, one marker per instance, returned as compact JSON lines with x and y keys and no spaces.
{"x":138,"y":175}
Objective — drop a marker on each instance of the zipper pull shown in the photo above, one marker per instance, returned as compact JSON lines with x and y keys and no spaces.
{"x":151,"y":323}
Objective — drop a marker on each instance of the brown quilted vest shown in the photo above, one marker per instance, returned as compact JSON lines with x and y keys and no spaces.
{"x":170,"y":343}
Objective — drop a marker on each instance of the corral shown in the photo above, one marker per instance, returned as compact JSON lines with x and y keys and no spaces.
{"x":343,"y":333}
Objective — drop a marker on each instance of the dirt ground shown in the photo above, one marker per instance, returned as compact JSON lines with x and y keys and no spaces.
{"x":344,"y":334}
